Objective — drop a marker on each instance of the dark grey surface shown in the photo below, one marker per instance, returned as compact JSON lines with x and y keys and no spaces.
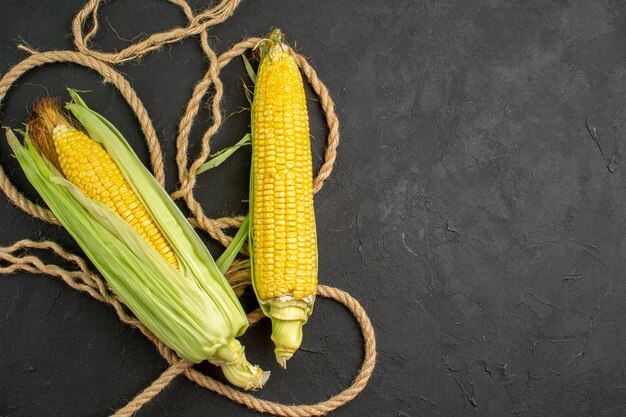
{"x":470,"y":210}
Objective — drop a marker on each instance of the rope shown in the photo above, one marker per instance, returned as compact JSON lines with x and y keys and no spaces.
{"x":197,"y":24}
{"x":18,"y":257}
{"x":85,"y":281}
{"x":109,"y":75}
{"x":154,"y":389}
{"x":187,"y":176}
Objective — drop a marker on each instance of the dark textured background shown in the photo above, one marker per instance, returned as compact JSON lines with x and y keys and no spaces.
{"x":470,"y":210}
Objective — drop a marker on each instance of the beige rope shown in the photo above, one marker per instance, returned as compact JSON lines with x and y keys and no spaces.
{"x":85,"y":281}
{"x":17,"y":257}
{"x":322,"y":408}
{"x":187,"y":177}
{"x":154,"y":389}
{"x":109,"y":75}
{"x":197,"y":25}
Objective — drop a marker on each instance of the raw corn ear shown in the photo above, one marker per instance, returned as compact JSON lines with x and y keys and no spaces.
{"x":283,"y":234}
{"x":86,"y":164}
{"x":191,"y":308}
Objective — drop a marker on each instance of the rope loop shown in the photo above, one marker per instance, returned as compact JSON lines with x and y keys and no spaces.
{"x":197,"y":24}
{"x":17,"y":257}
{"x":188,"y":175}
{"x":109,"y":75}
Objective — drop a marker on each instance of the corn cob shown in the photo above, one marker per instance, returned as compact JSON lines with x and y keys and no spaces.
{"x":283,"y":232}
{"x":87,"y":165}
{"x":191,"y":308}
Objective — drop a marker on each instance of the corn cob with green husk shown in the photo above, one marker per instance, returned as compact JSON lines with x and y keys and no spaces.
{"x":282,"y":233}
{"x":135,"y":235}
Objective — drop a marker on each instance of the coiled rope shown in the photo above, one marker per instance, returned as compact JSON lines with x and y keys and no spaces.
{"x":17,"y":258}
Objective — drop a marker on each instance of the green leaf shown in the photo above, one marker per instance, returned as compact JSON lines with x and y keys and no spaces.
{"x":249,"y":69}
{"x":249,"y":94}
{"x":228,"y":256}
{"x":223,"y":155}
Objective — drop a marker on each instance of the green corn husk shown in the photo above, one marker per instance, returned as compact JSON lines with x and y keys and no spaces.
{"x":192,"y":309}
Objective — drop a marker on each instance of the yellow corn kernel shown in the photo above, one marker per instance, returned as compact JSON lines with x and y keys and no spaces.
{"x":87,"y":165}
{"x":283,"y":219}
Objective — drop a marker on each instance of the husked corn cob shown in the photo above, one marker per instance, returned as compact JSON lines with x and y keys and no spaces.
{"x":285,"y":249}
{"x":85,"y":163}
{"x":283,"y":222}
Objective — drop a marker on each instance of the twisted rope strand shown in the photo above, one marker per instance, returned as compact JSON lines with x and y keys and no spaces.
{"x":331,"y":119}
{"x":322,"y":408}
{"x":109,"y":75}
{"x":187,"y":177}
{"x":152,"y":390}
{"x":95,"y":287}
{"x":14,"y":258}
{"x":197,"y":24}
